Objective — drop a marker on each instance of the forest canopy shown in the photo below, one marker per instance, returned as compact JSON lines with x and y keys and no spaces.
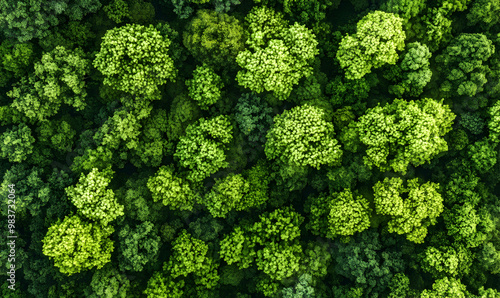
{"x":250,"y":148}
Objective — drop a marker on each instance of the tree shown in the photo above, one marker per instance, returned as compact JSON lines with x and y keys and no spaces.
{"x":108,"y":282}
{"x":172,"y":190}
{"x":183,"y":112}
{"x":214,"y":38}
{"x":338,"y":214}
{"x":59,"y":77}
{"x":483,"y":155}
{"x":494,"y":123}
{"x":272,"y":243}
{"x":35,"y":186}
{"x":17,"y":143}
{"x":446,"y":261}
{"x":138,"y":246}
{"x":302,"y":137}
{"x":205,"y":86}
{"x":379,"y":35}
{"x":76,"y":245}
{"x":484,"y":12}
{"x":401,"y":133}
{"x":414,"y":72}
{"x":407,"y":9}
{"x":25,"y":19}
{"x":14,"y":61}
{"x":254,"y":117}
{"x":135,"y":59}
{"x":191,"y":256}
{"x":462,"y":64}
{"x":367,"y":263}
{"x":446,"y":287}
{"x":226,"y":195}
{"x":93,"y":199}
{"x":413,"y":214}
{"x":277,"y":57}
{"x":202,"y":148}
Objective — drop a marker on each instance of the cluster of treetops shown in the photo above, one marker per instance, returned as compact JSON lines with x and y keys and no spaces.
{"x":265,"y":148}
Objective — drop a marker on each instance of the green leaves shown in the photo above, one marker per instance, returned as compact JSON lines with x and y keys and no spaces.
{"x":205,"y":87}
{"x":302,"y":137}
{"x":75,"y":245}
{"x":277,"y":57}
{"x":403,"y":133}
{"x":379,"y":35}
{"x":191,"y":256}
{"x":214,"y":38}
{"x":462,"y":64}
{"x":135,"y":59}
{"x":202,"y":149}
{"x":338,"y":214}
{"x":59,"y":77}
{"x":226,"y":195}
{"x":172,"y":190}
{"x":93,"y":199}
{"x":412,"y":215}
{"x":271,"y":242}
{"x":17,"y":143}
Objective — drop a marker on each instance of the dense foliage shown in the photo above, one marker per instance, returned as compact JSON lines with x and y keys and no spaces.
{"x":250,"y":148}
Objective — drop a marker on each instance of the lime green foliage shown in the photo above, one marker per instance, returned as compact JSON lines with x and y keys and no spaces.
{"x":138,"y":246}
{"x":202,"y":148}
{"x":226,"y":195}
{"x":76,"y":245}
{"x":191,"y":256}
{"x":401,"y":133}
{"x":446,"y":287}
{"x":109,"y":283}
{"x":414,"y":72}
{"x":494,"y":123}
{"x":484,"y":12}
{"x":117,"y":10}
{"x":379,"y":35}
{"x":446,"y":261}
{"x":483,"y":155}
{"x":171,"y":190}
{"x":205,"y":86}
{"x":468,"y":225}
{"x":92,"y":197}
{"x":135,"y":59}
{"x":271,"y":242}
{"x":14,"y":60}
{"x":348,"y":214}
{"x":462,"y":64}
{"x":302,"y":137}
{"x":17,"y":143}
{"x":160,"y":285}
{"x":58,"y":78}
{"x":214,"y":38}
{"x":278,"y":55}
{"x":338,"y":214}
{"x":27,"y":19}
{"x":411,"y":214}
{"x":400,"y":286}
